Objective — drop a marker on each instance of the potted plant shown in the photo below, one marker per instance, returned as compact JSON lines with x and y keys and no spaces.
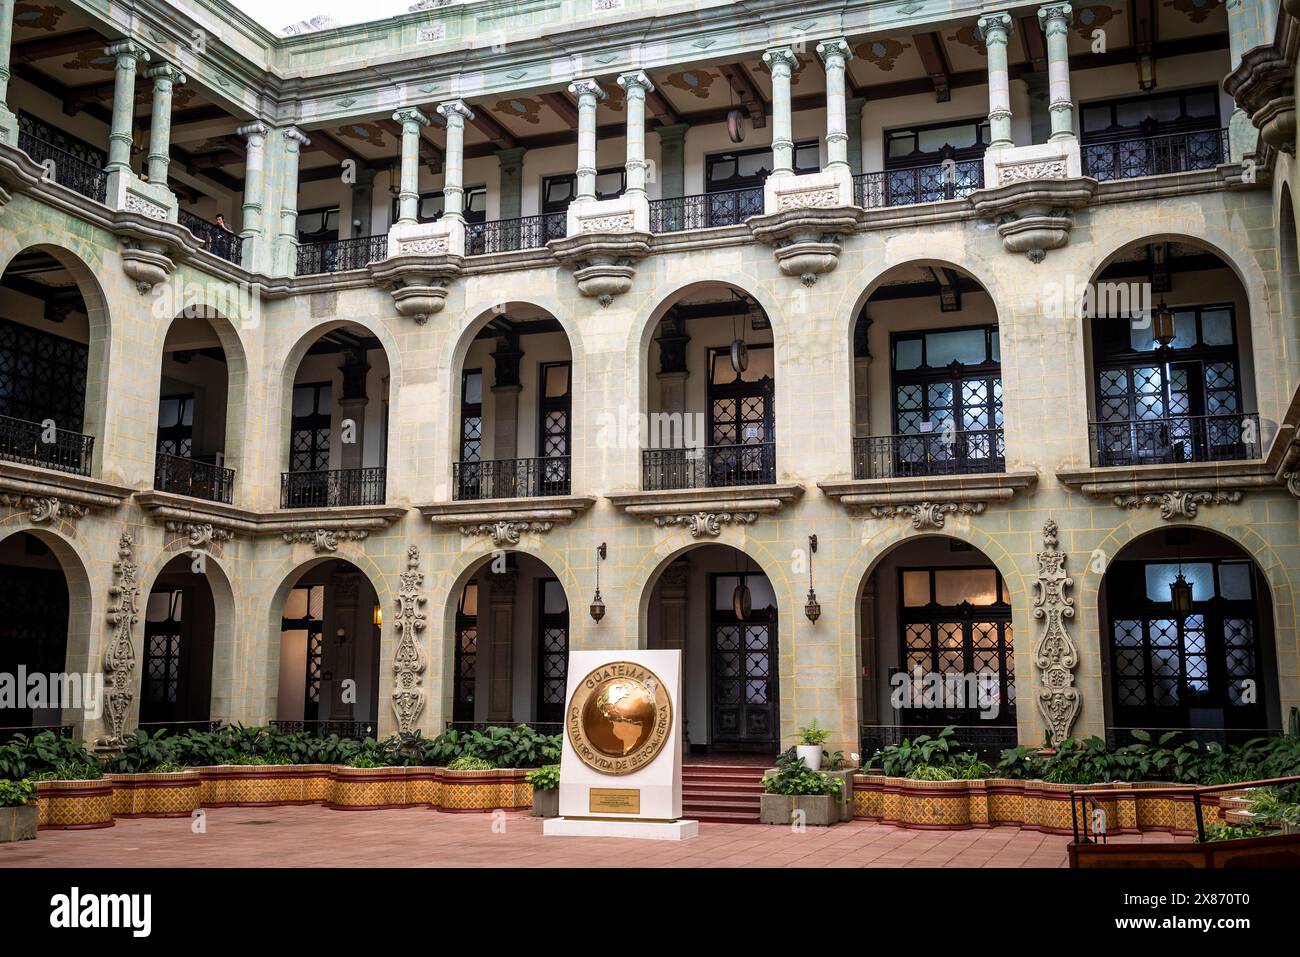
{"x":545,"y":782}
{"x":18,"y":812}
{"x":810,"y":750}
{"x":792,"y":789}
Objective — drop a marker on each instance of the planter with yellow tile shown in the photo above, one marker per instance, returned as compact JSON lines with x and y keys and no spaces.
{"x":263,"y":785}
{"x":366,"y":789}
{"x":164,"y":794}
{"x":75,"y":805}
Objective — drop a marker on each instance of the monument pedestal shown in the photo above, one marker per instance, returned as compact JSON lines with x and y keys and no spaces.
{"x":644,"y":830}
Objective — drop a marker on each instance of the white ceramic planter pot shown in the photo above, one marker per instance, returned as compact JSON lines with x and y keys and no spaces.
{"x":810,"y":755}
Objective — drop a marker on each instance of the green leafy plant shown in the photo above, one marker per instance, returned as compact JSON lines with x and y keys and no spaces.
{"x":1217,"y":831}
{"x":793,"y":777}
{"x":47,"y":756}
{"x":16,"y":793}
{"x":814,"y":734}
{"x":545,"y":778}
{"x":144,"y":753}
{"x":929,"y":772}
{"x":70,"y":771}
{"x":468,"y":762}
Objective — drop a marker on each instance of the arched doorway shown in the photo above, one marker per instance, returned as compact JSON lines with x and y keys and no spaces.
{"x":711,"y":392}
{"x":718,"y":607}
{"x":179,"y":625}
{"x":52,"y":351}
{"x":1170,"y":358}
{"x":338,"y":423}
{"x":938,"y":647}
{"x":511,"y":644}
{"x":329,"y":651}
{"x":1187,"y":630}
{"x":34,"y":620}
{"x":514,"y":407}
{"x":927,"y":385}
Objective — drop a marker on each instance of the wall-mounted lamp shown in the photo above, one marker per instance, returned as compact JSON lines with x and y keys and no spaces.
{"x":597,"y":604}
{"x":378,"y":616}
{"x":1180,"y":595}
{"x":811,"y":609}
{"x":1162,"y":325}
{"x":342,"y":636}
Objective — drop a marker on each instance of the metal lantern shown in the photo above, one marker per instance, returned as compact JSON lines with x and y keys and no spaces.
{"x":811,"y":609}
{"x":736,"y":125}
{"x":741,"y":601}
{"x":739,"y":355}
{"x":597,"y":603}
{"x":1162,"y":325}
{"x":1180,"y":595}
{"x":378,"y":617}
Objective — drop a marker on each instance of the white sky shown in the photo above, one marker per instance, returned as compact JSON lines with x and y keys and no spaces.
{"x":277,"y":14}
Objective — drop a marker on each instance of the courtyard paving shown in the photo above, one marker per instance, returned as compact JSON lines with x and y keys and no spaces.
{"x":318,"y":837}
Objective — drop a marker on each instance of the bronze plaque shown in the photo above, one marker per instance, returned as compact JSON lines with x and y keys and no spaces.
{"x":614,"y":801}
{"x":619,"y":718}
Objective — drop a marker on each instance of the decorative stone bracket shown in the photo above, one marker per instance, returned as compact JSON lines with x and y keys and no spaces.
{"x":1035,"y":214}
{"x":51,"y":498}
{"x":604,"y":261}
{"x":1263,"y":85}
{"x":417,"y":280}
{"x":151,"y":245}
{"x":806,"y":240}
{"x":119,"y":655}
{"x":1179,"y":491}
{"x":703,"y":512}
{"x":505,"y":520}
{"x":408,"y":660}
{"x":929,"y":502}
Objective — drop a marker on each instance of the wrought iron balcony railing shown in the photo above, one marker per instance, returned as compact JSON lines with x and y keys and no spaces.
{"x":511,"y":478}
{"x":220,"y":242}
{"x":1155,"y":155}
{"x":547,"y":728}
{"x":339,"y":255}
{"x":710,"y":466}
{"x":182,"y":476}
{"x":988,"y":740}
{"x":64,"y":168}
{"x":323,"y":728}
{"x":919,"y":184}
{"x":30,"y":731}
{"x":332,"y":488}
{"x":705,"y":210}
{"x":507,"y":235}
{"x":929,"y":453}
{"x":32,"y":443}
{"x":1173,"y":440}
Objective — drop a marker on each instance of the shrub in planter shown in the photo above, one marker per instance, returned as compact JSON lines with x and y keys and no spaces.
{"x":793,"y":789}
{"x":18,"y":813}
{"x":471,"y":763}
{"x":809,"y":748}
{"x":545,"y":784}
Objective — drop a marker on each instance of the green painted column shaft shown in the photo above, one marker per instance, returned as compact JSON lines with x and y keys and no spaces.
{"x":672,"y":160}
{"x":853,"y":108}
{"x":6,"y":41}
{"x":511,"y":189}
{"x":127,"y":55}
{"x":453,"y":176}
{"x":589,"y":94}
{"x":780,"y":61}
{"x":995,"y":29}
{"x":408,"y":199}
{"x":636,"y":85}
{"x":165,"y":79}
{"x":1055,"y":20}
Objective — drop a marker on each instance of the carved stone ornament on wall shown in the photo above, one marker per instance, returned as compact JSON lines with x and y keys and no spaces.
{"x":928,"y":514}
{"x":431,"y":246}
{"x":608,"y":224}
{"x":505,"y":533}
{"x":1019,"y":172}
{"x":119,"y":656}
{"x":200,"y":534}
{"x":706,"y":523}
{"x":1055,"y":654}
{"x":1177,"y":504}
{"x":326,"y":539}
{"x":43,"y":509}
{"x":820,"y":198}
{"x":408,"y":662}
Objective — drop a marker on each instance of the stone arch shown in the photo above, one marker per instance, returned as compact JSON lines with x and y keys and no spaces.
{"x":1289,"y":278}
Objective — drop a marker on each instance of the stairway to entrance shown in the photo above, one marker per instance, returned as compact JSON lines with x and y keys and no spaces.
{"x":722,"y":793}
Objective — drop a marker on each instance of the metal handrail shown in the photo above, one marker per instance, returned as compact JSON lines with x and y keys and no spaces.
{"x":970,"y":452}
{"x":187,"y":476}
{"x":217,"y":240}
{"x":64,"y":168}
{"x":509,"y":235}
{"x":914,"y":185}
{"x":709,"y":466}
{"x":729,"y":207}
{"x":339,"y":255}
{"x":1131,"y":157}
{"x":25,"y":442}
{"x":1175,"y":439}
{"x":512,"y":478}
{"x":332,"y":488}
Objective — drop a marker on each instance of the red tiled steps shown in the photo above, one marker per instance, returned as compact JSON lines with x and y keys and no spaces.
{"x":721,"y":793}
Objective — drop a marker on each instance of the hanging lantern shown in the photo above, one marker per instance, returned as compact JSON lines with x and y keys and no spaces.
{"x":597,"y":603}
{"x":739,"y":355}
{"x":736,"y":125}
{"x":1180,"y":595}
{"x":811,"y":609}
{"x":741,"y":601}
{"x":1162,"y":325}
{"x":378,"y":617}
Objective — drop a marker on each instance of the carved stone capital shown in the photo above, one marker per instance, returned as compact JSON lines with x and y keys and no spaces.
{"x":705,"y":524}
{"x":43,"y":509}
{"x":200,"y":534}
{"x":928,"y":515}
{"x":505,"y":533}
{"x":1177,"y":503}
{"x":325,"y":540}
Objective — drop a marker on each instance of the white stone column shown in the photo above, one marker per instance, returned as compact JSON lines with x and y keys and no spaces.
{"x":254,"y":190}
{"x":456,"y":112}
{"x":835,"y":54}
{"x":8,"y":121}
{"x":408,"y":200}
{"x":995,"y":29}
{"x":780,"y":61}
{"x":294,"y":140}
{"x":165,"y":78}
{"x":589,"y":94}
{"x":636,"y":85}
{"x":127,"y":55}
{"x":1055,"y":20}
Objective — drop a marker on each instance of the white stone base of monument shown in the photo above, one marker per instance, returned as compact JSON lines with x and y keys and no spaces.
{"x":645,"y":830}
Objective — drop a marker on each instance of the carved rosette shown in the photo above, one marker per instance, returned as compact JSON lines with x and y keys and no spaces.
{"x":928,"y":514}
{"x":119,"y":656}
{"x":1055,"y":654}
{"x":408,"y":662}
{"x":505,"y":533}
{"x":200,"y":534}
{"x":708,"y":524}
{"x":326,"y":539}
{"x":43,"y":508}
{"x":1177,"y":504}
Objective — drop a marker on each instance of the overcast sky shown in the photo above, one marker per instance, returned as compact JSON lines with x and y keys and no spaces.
{"x":277,"y":14}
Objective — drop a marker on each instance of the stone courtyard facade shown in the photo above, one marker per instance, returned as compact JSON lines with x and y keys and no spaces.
{"x":583,"y":500}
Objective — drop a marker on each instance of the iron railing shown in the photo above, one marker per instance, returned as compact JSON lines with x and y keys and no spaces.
{"x":507,"y":235}
{"x":547,"y":728}
{"x":702,"y":211}
{"x":1120,"y":737}
{"x":222,"y":243}
{"x":919,"y":184}
{"x":1176,"y":439}
{"x":511,"y":478}
{"x":32,"y":443}
{"x":31,"y":730}
{"x":711,"y":466}
{"x":64,"y":168}
{"x":332,"y":488}
{"x":182,"y":476}
{"x":323,"y":728}
{"x":177,"y":727}
{"x":1155,"y":155}
{"x":987,"y":740}
{"x":339,"y":255}
{"x":977,"y":451}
